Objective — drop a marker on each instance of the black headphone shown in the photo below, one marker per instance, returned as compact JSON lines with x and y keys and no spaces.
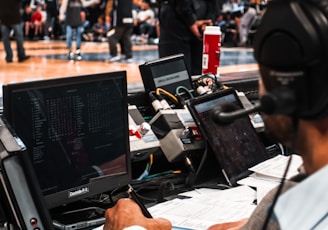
{"x":291,"y":47}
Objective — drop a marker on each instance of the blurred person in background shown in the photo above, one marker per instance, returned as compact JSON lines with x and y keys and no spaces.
{"x":122,"y":28}
{"x":37,"y":23}
{"x":182,"y":23}
{"x":70,"y":12}
{"x":11,"y":19}
{"x":51,"y":26}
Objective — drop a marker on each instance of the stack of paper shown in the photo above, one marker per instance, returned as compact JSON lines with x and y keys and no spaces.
{"x":269,"y":173}
{"x":274,"y":168}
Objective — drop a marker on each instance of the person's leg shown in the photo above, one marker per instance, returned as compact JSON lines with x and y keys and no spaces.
{"x":170,"y":45}
{"x":196,"y":56}
{"x":242,"y":34}
{"x":144,"y":33}
{"x":126,"y":38}
{"x":50,"y":22}
{"x":5,"y":30}
{"x":245,"y":23}
{"x":27,"y":28}
{"x":19,"y":36}
{"x":78,"y":35}
{"x":121,"y":43}
{"x":151,"y":31}
{"x":36,"y":29}
{"x":112,"y":41}
{"x":69,"y":37}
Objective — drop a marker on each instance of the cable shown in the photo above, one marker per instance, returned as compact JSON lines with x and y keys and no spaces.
{"x":171,"y":96}
{"x":163,"y":102}
{"x":177,"y":91}
{"x":203,"y":158}
{"x":155,"y":102}
{"x":146,"y":172}
{"x":176,"y":181}
{"x":195,"y":173}
{"x":163,"y":173}
{"x":151,"y":161}
{"x":279,"y":190}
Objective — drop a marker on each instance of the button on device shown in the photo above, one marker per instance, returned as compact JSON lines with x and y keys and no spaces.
{"x":33,"y":222}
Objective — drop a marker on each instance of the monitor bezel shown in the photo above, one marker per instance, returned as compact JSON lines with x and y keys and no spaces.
{"x":99,"y":184}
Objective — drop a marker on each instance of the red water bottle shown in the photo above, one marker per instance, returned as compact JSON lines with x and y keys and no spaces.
{"x":211,"y":50}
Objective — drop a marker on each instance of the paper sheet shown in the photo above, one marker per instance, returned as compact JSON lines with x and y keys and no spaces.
{"x":275,"y":167}
{"x":207,"y":207}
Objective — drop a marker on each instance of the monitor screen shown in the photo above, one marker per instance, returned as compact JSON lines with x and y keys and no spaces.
{"x":236,"y":146}
{"x":167,"y":73}
{"x":76,"y":133}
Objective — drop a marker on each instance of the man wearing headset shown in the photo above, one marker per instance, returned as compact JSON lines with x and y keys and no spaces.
{"x":291,"y":47}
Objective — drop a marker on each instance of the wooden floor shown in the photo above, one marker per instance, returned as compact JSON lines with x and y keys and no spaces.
{"x":44,"y":63}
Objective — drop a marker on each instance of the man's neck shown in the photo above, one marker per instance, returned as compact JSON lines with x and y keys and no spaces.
{"x":313,"y":144}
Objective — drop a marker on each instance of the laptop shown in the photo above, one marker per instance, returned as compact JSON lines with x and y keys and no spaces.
{"x":237,"y":145}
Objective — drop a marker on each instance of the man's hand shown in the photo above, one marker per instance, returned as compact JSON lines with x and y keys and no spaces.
{"x":127,"y":213}
{"x":199,"y":26}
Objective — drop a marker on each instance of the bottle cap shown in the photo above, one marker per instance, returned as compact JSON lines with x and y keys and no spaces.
{"x":213,"y":29}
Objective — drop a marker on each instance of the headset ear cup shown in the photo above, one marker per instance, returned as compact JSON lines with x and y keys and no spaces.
{"x":281,"y":100}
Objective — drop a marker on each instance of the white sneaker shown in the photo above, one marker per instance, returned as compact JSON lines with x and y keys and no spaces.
{"x":113,"y":58}
{"x":128,"y":60}
{"x":70,"y":55}
{"x":78,"y":55}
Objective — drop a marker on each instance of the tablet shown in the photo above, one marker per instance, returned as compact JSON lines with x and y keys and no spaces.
{"x":237,"y":145}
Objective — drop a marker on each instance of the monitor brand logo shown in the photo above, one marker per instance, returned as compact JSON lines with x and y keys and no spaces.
{"x":78,"y":192}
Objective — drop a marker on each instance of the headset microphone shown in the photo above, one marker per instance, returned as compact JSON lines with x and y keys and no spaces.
{"x":227,"y":113}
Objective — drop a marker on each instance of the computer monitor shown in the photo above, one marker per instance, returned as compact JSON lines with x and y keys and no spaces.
{"x":167,"y":73}
{"x":76,"y":133}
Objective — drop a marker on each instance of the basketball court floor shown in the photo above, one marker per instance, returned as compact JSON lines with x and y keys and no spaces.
{"x":49,"y":60}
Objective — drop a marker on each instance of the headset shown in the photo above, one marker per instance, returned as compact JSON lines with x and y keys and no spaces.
{"x":291,"y":48}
